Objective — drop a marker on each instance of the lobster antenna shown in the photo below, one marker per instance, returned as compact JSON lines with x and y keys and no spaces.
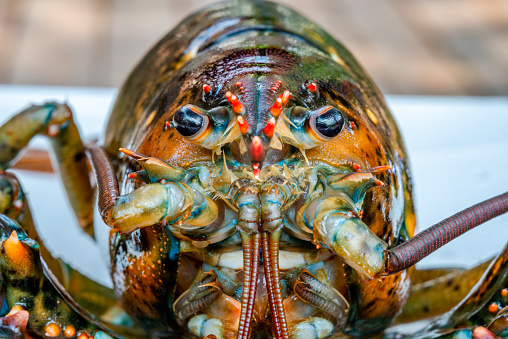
{"x":424,"y":243}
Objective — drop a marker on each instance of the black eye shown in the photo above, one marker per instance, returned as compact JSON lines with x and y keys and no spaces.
{"x":188,"y":122}
{"x":329,"y":123}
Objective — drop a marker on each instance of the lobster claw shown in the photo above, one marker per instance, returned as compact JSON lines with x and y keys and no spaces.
{"x":336,"y":226}
{"x":154,"y":169}
{"x":356,"y":184}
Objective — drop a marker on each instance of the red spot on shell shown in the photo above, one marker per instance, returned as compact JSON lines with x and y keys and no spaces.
{"x":286,"y":96}
{"x":312,"y":87}
{"x":352,"y":124}
{"x":356,"y":167}
{"x":244,"y":126}
{"x":276,"y":108}
{"x":207,"y":88}
{"x":269,"y":128}
{"x":167,"y":125}
{"x":238,"y":84}
{"x":256,"y":149}
{"x":238,"y":107}
{"x":256,"y":170}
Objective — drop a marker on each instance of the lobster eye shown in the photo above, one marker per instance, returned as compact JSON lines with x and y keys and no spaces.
{"x":189,"y":122}
{"x":327,"y":124}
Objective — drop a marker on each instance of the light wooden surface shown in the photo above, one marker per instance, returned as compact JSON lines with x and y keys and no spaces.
{"x":409,"y":47}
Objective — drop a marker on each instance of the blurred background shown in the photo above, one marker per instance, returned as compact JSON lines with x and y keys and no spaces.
{"x":444,"y":47}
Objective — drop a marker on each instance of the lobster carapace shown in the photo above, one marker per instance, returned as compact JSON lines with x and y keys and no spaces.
{"x":262,"y":189}
{"x":276,"y":122}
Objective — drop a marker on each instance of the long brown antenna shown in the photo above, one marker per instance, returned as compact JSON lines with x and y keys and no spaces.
{"x":107,"y":183}
{"x":424,"y":243}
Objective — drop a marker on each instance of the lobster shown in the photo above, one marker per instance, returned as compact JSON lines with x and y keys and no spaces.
{"x":255,"y":185}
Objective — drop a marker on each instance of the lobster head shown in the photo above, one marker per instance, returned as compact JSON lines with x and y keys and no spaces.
{"x":287,"y":143}
{"x":260,"y":121}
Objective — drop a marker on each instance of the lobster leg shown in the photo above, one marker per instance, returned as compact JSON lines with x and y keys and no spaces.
{"x":76,"y":288}
{"x":435,"y":291}
{"x":317,"y":293}
{"x":150,"y":204}
{"x":14,"y":205}
{"x":483,"y":306}
{"x":204,"y":292}
{"x":336,"y":226}
{"x":55,"y":121}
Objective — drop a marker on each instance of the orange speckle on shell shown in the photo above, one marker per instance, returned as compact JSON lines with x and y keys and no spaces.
{"x":69,"y":331}
{"x":52,"y":330}
{"x":15,"y":309}
{"x":17,"y":254}
{"x":493,"y":308}
{"x":83,"y":336}
{"x":504,"y":292}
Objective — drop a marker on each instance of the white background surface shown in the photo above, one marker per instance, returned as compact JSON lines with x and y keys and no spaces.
{"x":458,"y":148}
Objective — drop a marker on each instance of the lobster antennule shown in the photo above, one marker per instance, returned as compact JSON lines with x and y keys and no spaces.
{"x":424,"y":243}
{"x":273,"y":197}
{"x":248,"y":204}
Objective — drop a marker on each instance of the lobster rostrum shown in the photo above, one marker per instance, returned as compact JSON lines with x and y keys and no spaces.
{"x":261,"y":189}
